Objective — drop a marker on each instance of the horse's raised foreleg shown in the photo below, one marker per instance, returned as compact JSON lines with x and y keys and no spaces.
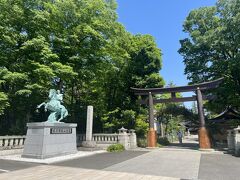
{"x":40,"y":105}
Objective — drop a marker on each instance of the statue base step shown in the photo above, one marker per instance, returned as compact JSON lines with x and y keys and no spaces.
{"x":90,"y":148}
{"x":206,"y":150}
{"x":89,"y":144}
{"x":46,"y":140}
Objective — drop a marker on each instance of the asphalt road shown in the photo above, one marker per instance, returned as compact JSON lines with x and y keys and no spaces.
{"x":7,"y":166}
{"x":101,"y":161}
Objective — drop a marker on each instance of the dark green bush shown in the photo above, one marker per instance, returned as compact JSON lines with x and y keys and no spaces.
{"x":163,"y":141}
{"x":115,"y":148}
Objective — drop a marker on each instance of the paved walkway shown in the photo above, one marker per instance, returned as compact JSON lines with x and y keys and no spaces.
{"x":179,"y":164}
{"x":188,"y":143}
{"x":173,"y":162}
{"x":219,"y":167}
{"x":47,"y":172}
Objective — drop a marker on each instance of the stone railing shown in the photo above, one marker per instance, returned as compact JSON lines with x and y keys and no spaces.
{"x":124,"y":137}
{"x":100,"y":139}
{"x":105,"y":138}
{"x":11,"y":142}
{"x":127,"y":138}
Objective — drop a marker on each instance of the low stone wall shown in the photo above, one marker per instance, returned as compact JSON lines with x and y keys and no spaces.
{"x":124,"y":137}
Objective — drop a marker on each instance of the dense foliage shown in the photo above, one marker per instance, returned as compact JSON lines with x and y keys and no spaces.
{"x":79,"y":48}
{"x":213,"y":49}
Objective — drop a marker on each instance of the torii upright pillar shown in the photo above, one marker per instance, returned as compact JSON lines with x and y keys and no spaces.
{"x":152,"y":135}
{"x":204,"y":141}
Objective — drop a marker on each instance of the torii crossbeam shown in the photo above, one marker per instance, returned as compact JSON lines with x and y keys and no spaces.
{"x":204,"y":141}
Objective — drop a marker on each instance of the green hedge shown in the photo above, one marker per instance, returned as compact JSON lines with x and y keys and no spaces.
{"x":115,"y":148}
{"x":142,"y":142}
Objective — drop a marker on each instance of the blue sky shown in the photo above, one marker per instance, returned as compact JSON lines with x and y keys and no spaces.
{"x":163,"y":19}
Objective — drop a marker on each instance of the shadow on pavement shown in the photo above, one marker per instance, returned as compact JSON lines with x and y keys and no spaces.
{"x":188,"y":143}
{"x":10,"y":165}
{"x":101,"y":161}
{"x":192,"y":146}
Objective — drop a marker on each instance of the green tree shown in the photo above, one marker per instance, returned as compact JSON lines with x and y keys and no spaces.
{"x":78,"y":47}
{"x":212,"y":49}
{"x":3,"y":102}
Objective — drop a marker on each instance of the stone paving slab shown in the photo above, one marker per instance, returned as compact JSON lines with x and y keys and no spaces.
{"x":219,"y":167}
{"x":179,"y":164}
{"x":47,"y":172}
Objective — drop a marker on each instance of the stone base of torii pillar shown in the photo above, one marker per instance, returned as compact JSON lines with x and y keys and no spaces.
{"x":204,"y":140}
{"x":152,"y":138}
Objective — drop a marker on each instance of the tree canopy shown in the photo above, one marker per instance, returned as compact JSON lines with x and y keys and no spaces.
{"x":212,"y":49}
{"x":79,"y":48}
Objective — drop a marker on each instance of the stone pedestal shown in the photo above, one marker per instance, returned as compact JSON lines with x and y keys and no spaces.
{"x":204,"y":141}
{"x":152,"y":138}
{"x":132,"y":139}
{"x":89,"y":144}
{"x":45,"y":140}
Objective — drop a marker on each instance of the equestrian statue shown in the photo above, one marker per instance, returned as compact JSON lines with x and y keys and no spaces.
{"x":57,"y":111}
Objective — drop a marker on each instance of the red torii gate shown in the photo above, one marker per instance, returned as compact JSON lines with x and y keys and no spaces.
{"x":204,"y":142}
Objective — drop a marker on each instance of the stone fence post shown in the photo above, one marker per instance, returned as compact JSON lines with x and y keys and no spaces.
{"x":132,"y":139}
{"x":237,"y":140}
{"x":89,"y":143}
{"x":231,"y":141}
{"x":123,"y":138}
